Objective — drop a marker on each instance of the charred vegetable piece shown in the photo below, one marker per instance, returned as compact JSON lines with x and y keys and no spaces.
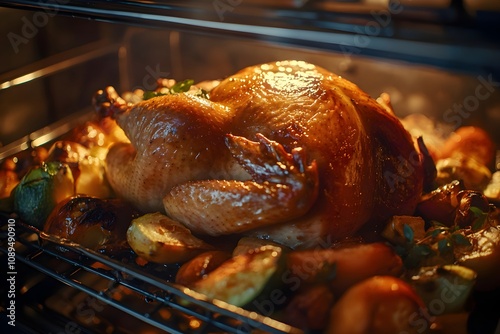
{"x":380,"y":304}
{"x":475,"y":175}
{"x":440,"y":205}
{"x":444,"y":289}
{"x":157,"y":238}
{"x":92,"y":222}
{"x":467,"y":199}
{"x":244,"y":278}
{"x":484,"y":258}
{"x":200,"y":266}
{"x":310,"y":307}
{"x":40,"y":190}
{"x":344,"y":267}
{"x":402,"y":229}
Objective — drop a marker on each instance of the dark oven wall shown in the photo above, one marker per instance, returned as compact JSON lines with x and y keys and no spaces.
{"x":69,"y":58}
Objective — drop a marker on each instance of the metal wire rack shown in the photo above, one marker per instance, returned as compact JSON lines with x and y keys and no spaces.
{"x":124,"y":285}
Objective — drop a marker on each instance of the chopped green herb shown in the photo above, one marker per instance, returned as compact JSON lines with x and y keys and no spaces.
{"x":177,"y":88}
{"x":181,"y":86}
{"x":150,"y":95}
{"x":481,"y":218}
{"x":408,"y":233}
{"x":460,"y":240}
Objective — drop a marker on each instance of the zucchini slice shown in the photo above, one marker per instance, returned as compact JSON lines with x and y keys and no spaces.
{"x":243,"y":278}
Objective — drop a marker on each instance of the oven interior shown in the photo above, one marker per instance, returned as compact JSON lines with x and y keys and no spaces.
{"x":431,"y":57}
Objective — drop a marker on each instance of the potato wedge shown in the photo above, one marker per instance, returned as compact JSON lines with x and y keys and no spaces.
{"x":200,"y":266}
{"x":380,"y":304}
{"x":253,"y":277}
{"x":484,"y":258}
{"x":157,"y":238}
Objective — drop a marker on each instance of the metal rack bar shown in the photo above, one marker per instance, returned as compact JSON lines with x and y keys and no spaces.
{"x":33,"y":247}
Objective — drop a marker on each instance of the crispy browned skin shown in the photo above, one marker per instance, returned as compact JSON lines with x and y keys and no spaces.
{"x":343,"y":160}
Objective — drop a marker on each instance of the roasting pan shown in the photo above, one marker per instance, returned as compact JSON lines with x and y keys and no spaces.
{"x":427,"y":57}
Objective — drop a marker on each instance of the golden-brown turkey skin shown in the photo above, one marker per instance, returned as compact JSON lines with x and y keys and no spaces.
{"x":174,"y":139}
{"x":367,"y":167}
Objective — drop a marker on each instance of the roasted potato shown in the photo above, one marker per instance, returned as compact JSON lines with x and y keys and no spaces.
{"x":484,"y":257}
{"x":444,"y":289}
{"x":200,"y":266}
{"x":344,"y":267}
{"x":92,"y":222}
{"x":87,"y":166}
{"x":380,"y":304}
{"x":157,"y":238}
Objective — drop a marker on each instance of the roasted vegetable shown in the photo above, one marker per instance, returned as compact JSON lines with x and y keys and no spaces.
{"x":200,"y":266}
{"x":249,"y":244}
{"x":92,"y":222}
{"x":400,"y":229}
{"x":309,"y":308}
{"x":472,"y":142}
{"x":493,"y":189}
{"x":244,"y":278}
{"x":40,"y":190}
{"x":8,"y":181}
{"x":344,"y":267}
{"x":157,"y":238}
{"x":475,"y":175}
{"x":440,"y":204}
{"x":483,"y":257}
{"x":381,"y":304}
{"x":444,"y":289}
{"x":87,"y":166}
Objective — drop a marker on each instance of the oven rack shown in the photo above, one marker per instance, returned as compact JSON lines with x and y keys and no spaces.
{"x":71,"y":264}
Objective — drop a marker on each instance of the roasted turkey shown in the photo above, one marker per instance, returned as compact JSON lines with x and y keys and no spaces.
{"x":286,"y":151}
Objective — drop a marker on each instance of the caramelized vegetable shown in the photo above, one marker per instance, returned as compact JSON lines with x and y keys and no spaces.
{"x":381,"y":304}
{"x":200,"y":266}
{"x":8,"y":181}
{"x":484,"y":257}
{"x":249,"y":244}
{"x":243,"y":278}
{"x":344,"y":267}
{"x":86,"y":165}
{"x":472,"y":142}
{"x":92,"y":222}
{"x":157,"y":238}
{"x":475,"y":175}
{"x":440,"y":204}
{"x":444,"y":289}
{"x":309,"y":308}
